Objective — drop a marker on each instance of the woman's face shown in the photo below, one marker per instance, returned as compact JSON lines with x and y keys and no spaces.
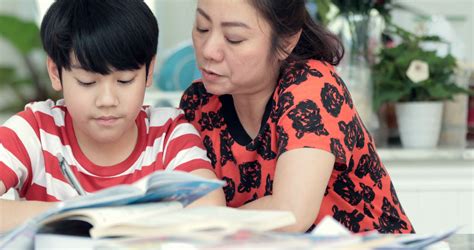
{"x":232,"y":44}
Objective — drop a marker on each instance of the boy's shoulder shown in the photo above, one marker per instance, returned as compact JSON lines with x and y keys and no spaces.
{"x":45,"y":105}
{"x":56,"y":109}
{"x":47,"y":108}
{"x":158,"y":116}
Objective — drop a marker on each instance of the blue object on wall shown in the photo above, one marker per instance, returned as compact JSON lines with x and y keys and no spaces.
{"x":178,"y":69}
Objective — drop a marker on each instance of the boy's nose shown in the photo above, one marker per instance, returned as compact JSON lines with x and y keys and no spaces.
{"x":107,"y":96}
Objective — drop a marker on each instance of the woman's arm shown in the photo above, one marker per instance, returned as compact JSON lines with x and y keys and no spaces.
{"x":216,"y":197}
{"x":14,"y":213}
{"x":300,"y":180}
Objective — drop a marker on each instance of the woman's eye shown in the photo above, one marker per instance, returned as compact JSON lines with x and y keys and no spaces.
{"x":200,"y":30}
{"x":234,"y":41}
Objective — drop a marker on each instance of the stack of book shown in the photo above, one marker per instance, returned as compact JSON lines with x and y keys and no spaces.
{"x":153,"y":212}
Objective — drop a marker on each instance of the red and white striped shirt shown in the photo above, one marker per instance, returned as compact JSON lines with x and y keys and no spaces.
{"x":30,"y":141}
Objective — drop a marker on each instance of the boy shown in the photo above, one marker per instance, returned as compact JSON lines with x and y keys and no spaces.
{"x":100,"y":55}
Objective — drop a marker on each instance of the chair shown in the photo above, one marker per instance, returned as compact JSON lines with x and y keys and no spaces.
{"x":178,"y":69}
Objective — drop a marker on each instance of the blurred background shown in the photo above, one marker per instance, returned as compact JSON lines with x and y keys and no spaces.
{"x":397,"y":52}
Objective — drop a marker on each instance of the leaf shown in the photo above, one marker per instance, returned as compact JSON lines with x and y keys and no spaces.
{"x":323,"y":8}
{"x":23,"y":35}
{"x":389,"y":74}
{"x":7,"y":75}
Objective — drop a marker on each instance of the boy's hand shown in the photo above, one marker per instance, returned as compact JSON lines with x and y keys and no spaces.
{"x":2,"y":188}
{"x":14,"y":213}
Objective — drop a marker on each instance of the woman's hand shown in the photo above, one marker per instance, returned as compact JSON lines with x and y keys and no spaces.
{"x":300,"y":180}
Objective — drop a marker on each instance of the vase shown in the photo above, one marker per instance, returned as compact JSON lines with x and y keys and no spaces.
{"x":419,"y":123}
{"x":360,"y":33}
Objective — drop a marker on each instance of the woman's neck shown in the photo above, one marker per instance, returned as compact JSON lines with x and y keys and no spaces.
{"x":250,"y":110}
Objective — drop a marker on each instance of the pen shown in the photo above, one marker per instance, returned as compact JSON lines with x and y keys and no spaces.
{"x":70,"y":177}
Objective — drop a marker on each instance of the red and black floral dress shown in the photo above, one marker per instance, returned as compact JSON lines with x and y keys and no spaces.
{"x":310,"y":108}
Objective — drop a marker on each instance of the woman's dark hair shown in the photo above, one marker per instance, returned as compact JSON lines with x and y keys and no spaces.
{"x":286,"y":18}
{"x":104,"y":35}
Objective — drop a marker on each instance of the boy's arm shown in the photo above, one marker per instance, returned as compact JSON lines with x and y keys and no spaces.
{"x":215,"y":198}
{"x":14,"y":213}
{"x":185,"y":152}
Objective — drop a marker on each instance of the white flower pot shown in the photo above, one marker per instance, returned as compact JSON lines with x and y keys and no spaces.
{"x":419,"y":123}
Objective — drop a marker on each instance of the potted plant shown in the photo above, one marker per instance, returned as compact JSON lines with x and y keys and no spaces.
{"x":24,"y":36}
{"x":417,"y":81}
{"x":358,"y":23}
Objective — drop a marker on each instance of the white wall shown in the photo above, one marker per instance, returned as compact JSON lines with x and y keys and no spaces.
{"x":460,"y":14}
{"x":175,"y":18}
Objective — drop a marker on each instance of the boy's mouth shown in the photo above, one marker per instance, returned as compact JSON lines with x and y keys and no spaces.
{"x":107,"y":120}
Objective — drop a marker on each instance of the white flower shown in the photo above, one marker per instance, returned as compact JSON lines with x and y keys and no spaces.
{"x":418,"y":71}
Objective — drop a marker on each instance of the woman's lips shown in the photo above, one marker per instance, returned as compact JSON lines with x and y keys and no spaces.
{"x":210,"y":75}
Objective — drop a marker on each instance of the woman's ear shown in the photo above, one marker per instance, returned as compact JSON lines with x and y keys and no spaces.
{"x":53,"y":73}
{"x":289,"y":45}
{"x":151,"y":69}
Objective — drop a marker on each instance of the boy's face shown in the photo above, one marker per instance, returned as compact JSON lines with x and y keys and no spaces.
{"x":103,"y":108}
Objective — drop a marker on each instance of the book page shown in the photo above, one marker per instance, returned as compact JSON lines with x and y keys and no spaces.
{"x":198,"y":218}
{"x":178,"y":186}
{"x":160,"y":185}
{"x":106,"y":216}
{"x":113,"y":196}
{"x":257,"y":220}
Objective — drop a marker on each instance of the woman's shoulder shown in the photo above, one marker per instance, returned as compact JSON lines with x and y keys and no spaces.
{"x":306,"y":75}
{"x":311,"y":66}
{"x":196,"y":87}
{"x":314,"y":84}
{"x":195,"y":94}
{"x":196,"y":99}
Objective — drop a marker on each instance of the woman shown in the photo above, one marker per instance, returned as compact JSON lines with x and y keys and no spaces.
{"x":279,"y":124}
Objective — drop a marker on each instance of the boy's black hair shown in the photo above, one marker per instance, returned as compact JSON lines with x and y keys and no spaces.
{"x":104,"y":35}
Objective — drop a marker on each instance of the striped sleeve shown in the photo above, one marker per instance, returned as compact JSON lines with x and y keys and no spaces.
{"x":183,"y":149}
{"x":18,"y":142}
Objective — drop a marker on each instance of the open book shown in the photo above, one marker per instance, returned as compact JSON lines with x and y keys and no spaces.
{"x":162,"y":219}
{"x":157,"y":187}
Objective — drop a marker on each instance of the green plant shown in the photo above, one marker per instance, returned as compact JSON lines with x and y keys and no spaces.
{"x":344,"y":7}
{"x":393,"y":82}
{"x":24,"y":37}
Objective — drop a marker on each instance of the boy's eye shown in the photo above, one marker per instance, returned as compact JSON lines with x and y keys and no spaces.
{"x":85,"y":83}
{"x":126,"y":81}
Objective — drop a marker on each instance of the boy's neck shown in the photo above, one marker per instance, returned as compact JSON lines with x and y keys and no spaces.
{"x":109,"y":154}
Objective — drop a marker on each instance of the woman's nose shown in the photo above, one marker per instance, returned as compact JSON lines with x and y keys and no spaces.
{"x":212,"y":49}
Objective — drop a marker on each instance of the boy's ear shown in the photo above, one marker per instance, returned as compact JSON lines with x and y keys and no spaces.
{"x":289,"y":44}
{"x":53,"y":73}
{"x":149,"y":79}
